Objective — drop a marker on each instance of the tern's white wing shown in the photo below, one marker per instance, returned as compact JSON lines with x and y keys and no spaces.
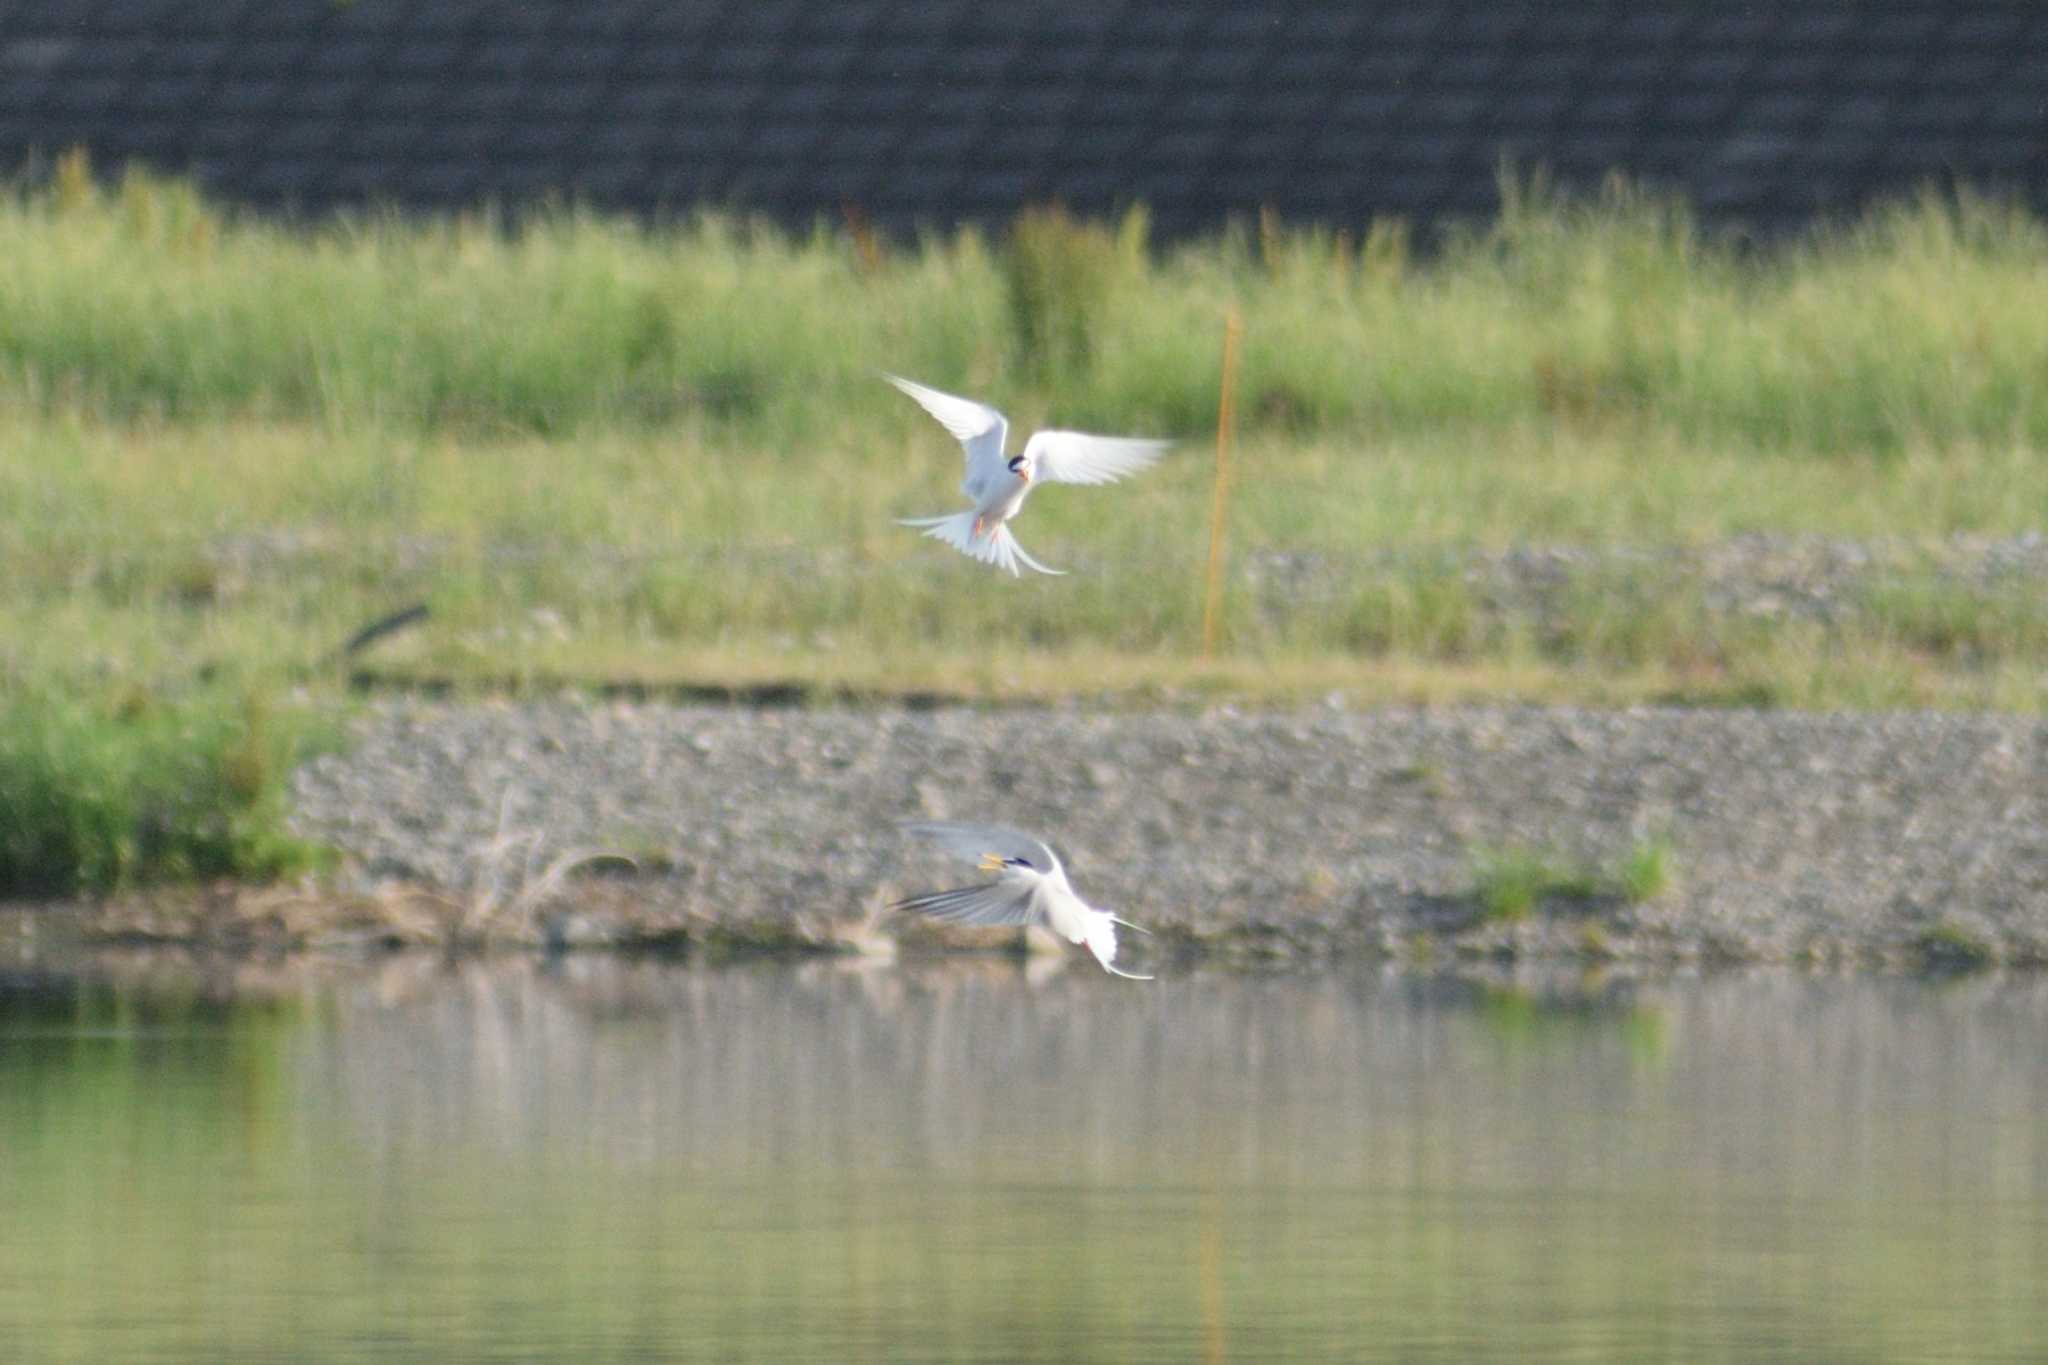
{"x":1000,"y":902}
{"x":1076,"y":457}
{"x":971,"y":841}
{"x":977,"y":426}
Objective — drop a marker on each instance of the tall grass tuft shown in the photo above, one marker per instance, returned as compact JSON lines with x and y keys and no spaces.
{"x":1510,"y":883}
{"x":1063,"y":280}
{"x":1645,"y":871}
{"x":95,"y":797}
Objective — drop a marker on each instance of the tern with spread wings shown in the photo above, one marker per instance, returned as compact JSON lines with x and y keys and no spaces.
{"x":1030,"y":888}
{"x":997,"y":485}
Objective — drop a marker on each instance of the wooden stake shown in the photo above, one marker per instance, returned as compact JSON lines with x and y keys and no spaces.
{"x":1226,"y":418}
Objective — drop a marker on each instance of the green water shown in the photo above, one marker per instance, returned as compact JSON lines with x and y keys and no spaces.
{"x":617,"y":1162}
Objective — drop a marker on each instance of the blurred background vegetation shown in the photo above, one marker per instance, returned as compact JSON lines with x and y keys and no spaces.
{"x":1921,"y":323}
{"x":607,"y":453}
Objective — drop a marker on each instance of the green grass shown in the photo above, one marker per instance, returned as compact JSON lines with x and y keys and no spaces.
{"x":1949,"y":947}
{"x":96,"y":799}
{"x":1646,"y":871}
{"x":1512,"y":882}
{"x":145,"y":553}
{"x":1924,"y":324}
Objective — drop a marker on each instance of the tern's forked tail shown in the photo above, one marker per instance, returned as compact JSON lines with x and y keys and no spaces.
{"x":994,"y":545}
{"x":1100,"y":937}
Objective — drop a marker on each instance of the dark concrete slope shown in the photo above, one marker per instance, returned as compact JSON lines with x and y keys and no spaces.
{"x":944,"y":110}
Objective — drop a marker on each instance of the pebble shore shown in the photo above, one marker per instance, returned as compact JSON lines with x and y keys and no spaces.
{"x":1895,"y":838}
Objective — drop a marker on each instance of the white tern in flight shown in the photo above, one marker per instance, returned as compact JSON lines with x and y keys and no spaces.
{"x":997,"y":486}
{"x":1030,"y":888}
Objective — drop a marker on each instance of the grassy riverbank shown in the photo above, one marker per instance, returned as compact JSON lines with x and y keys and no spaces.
{"x":607,"y":455}
{"x":144,"y":555}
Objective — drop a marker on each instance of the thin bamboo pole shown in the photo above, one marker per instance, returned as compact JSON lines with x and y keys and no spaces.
{"x":1226,"y":421}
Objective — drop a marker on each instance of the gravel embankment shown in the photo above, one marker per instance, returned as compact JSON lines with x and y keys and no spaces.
{"x":1317,"y":832}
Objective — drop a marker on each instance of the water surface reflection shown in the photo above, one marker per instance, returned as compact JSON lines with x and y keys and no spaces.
{"x":608,"y":1160}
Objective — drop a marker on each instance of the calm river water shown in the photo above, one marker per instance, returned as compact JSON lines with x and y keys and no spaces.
{"x":607,"y":1161}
